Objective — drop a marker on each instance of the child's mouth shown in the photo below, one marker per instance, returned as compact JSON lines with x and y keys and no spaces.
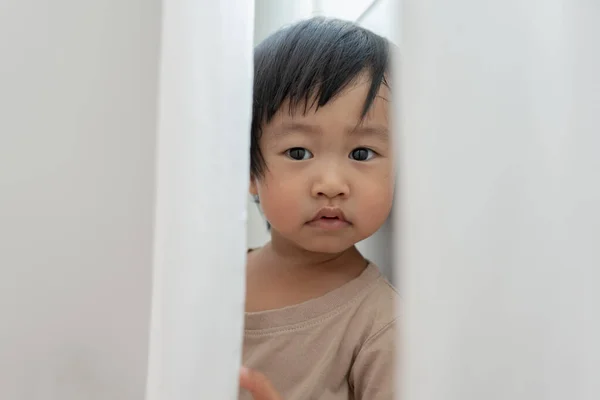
{"x":328,"y":223}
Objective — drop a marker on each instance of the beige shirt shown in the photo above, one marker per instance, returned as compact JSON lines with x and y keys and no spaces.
{"x":336,"y":347}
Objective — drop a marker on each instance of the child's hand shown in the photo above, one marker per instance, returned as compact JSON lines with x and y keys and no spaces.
{"x":258,"y":385}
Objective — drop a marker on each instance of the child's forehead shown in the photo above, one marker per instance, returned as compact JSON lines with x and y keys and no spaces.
{"x":332,"y":121}
{"x":346,"y":108}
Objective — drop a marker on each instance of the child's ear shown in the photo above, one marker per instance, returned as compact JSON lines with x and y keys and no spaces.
{"x":253,"y":190}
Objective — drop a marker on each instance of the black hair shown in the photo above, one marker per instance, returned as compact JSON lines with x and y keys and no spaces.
{"x":309,"y":63}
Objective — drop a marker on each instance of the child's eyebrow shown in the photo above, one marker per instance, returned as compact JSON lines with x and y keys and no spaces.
{"x":288,"y":127}
{"x":381,"y":132}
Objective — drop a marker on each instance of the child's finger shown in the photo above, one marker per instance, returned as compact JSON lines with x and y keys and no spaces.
{"x":257,"y":384}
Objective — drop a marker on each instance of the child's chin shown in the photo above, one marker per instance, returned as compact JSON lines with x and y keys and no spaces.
{"x":327,"y":245}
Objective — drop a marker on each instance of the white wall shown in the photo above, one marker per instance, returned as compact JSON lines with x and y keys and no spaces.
{"x":270,"y":15}
{"x":344,"y":9}
{"x":384,"y":18}
{"x":77,"y":133}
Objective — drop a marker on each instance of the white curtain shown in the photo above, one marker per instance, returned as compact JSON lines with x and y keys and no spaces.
{"x":77,"y":136}
{"x":497,"y":227}
{"x":500,"y":196}
{"x":202,"y":182}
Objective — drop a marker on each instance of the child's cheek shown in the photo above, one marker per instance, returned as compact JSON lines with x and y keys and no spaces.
{"x":374,"y":204}
{"x":281,"y":206}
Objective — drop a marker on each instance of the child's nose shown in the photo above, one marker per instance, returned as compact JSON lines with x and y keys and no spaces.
{"x":331,"y":183}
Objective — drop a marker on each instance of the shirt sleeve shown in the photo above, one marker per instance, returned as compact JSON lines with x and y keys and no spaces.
{"x":373,"y":374}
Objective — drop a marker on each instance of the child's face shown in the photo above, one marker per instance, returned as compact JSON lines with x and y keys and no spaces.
{"x":325,"y":161}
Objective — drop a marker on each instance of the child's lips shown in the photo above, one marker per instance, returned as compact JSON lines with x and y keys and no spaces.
{"x":330,"y":213}
{"x":329,"y":218}
{"x":329,"y":224}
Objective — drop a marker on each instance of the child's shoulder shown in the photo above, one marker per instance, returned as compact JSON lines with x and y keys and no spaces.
{"x":372,"y":371}
{"x":380,"y":306}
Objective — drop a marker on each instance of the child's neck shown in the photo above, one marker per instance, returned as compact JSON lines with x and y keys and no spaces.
{"x":280,"y":274}
{"x":284,"y":259}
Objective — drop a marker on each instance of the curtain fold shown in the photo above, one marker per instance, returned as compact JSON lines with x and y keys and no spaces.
{"x":202,"y":181}
{"x":500,"y":199}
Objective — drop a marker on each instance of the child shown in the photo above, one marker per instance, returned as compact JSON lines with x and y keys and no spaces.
{"x":320,"y":319}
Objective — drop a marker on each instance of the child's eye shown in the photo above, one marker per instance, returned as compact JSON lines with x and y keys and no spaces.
{"x":362,"y":154}
{"x":298,"y":153}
